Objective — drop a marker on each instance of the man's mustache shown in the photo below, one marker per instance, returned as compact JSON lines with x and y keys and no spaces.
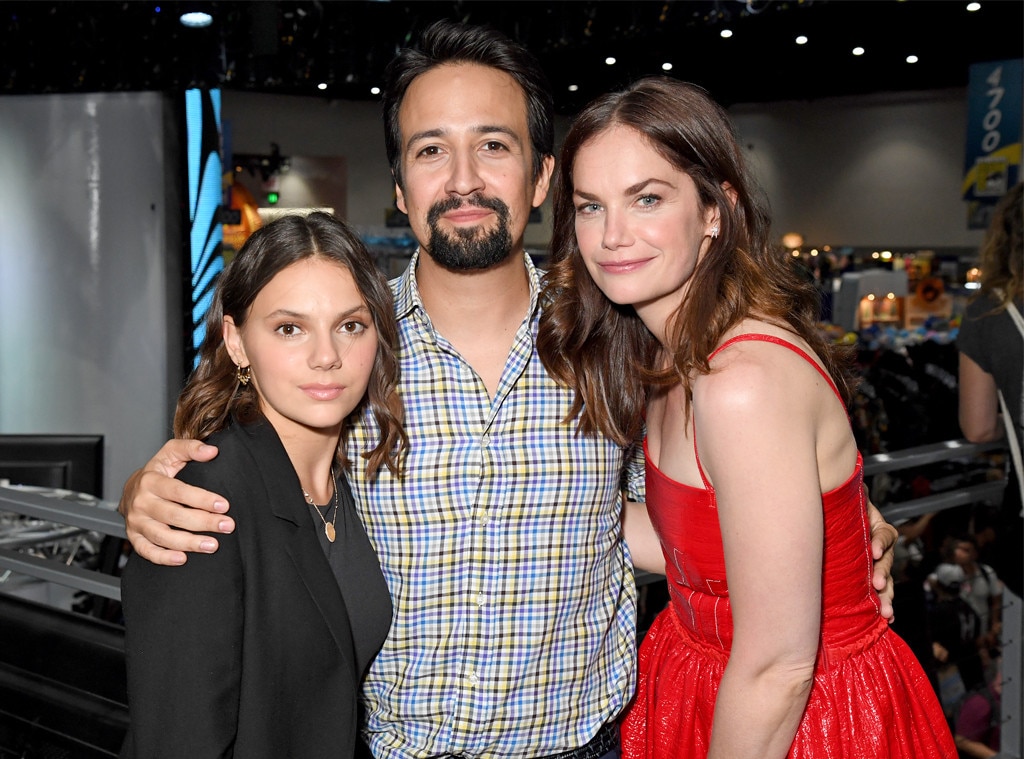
{"x":476,"y":200}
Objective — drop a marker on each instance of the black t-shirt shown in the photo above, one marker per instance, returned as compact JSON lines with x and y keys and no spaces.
{"x":994,"y":343}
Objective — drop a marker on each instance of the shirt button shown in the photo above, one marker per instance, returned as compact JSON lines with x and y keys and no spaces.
{"x":485,"y":441}
{"x":481,"y":599}
{"x":473,"y":679}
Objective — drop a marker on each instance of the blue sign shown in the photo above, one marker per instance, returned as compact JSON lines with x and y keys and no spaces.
{"x":993,"y":156}
{"x":202,"y":111}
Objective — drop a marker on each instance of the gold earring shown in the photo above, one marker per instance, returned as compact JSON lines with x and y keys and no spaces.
{"x":243,"y":374}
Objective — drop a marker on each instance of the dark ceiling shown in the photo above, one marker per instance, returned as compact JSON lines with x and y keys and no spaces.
{"x":290,"y":47}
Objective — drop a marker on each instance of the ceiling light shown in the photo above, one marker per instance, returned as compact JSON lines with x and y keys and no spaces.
{"x":973,"y":7}
{"x":802,"y":39}
{"x":610,"y":60}
{"x":858,"y":50}
{"x":726,"y":33}
{"x":375,"y":90}
{"x":195,"y":19}
{"x":666,"y":67}
{"x":573,"y":87}
{"x":911,"y":59}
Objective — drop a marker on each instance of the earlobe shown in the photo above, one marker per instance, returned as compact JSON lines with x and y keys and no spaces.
{"x":715,"y":212}
{"x":400,"y":199}
{"x":233,"y":342}
{"x":543,"y":183}
{"x":713,"y":220}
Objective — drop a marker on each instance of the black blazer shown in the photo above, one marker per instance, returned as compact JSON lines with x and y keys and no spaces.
{"x":249,"y":651}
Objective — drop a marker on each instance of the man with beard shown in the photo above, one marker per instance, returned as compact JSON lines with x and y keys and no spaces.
{"x":515,"y":612}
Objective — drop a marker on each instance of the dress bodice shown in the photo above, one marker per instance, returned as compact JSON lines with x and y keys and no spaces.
{"x":686,"y":520}
{"x":869,"y":698}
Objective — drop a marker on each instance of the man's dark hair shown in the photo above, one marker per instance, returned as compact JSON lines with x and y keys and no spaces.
{"x":451,"y":42}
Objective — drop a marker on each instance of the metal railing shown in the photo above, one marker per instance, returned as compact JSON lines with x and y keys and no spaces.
{"x":65,"y":519}
{"x":55,"y":518}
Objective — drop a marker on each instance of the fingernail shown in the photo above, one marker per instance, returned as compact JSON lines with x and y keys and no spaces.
{"x":220,"y":506}
{"x":225,"y":525}
{"x":207,"y":546}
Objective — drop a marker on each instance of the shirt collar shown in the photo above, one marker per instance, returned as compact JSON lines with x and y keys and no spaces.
{"x":407,"y":293}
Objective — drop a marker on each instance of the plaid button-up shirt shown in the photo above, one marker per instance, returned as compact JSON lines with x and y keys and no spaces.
{"x":515,"y":614}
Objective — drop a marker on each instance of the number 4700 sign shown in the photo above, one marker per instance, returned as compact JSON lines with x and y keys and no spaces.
{"x":993,"y":156}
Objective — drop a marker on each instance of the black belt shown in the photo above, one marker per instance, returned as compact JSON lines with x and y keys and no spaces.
{"x":607,"y":738}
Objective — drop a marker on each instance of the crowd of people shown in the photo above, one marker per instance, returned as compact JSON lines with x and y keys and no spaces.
{"x":487,"y":452}
{"x":949,"y":604}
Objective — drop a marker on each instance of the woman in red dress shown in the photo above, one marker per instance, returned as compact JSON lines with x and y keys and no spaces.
{"x":671,"y":305}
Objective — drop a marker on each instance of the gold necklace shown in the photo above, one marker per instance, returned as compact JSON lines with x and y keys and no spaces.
{"x":328,"y":526}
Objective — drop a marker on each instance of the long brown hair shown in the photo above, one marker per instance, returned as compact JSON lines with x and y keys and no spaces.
{"x":1002,"y":251}
{"x":213,"y":394}
{"x":604,"y":351}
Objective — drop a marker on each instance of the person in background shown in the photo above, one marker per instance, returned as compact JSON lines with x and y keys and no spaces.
{"x":514,"y":631}
{"x":955,"y":631}
{"x":991,"y":348}
{"x":910,"y":604}
{"x":258,"y":650}
{"x":978,"y":724}
{"x":670,"y":308}
{"x":978,"y":585}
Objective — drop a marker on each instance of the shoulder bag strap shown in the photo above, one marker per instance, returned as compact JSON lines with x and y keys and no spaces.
{"x":1011,"y":432}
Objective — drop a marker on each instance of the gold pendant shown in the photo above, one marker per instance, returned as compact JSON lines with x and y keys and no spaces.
{"x":329,"y":531}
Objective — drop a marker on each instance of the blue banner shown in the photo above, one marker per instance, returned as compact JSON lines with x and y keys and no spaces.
{"x":202,"y":111}
{"x":993,"y":156}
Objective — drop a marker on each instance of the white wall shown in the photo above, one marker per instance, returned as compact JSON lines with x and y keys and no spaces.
{"x":85,"y":269}
{"x":882,"y":170}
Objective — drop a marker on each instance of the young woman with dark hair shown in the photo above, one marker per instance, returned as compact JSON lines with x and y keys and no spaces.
{"x":259,"y":650}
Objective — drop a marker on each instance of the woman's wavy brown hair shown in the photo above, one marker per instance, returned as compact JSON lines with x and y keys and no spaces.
{"x":604,"y":351}
{"x":1002,"y":251}
{"x":213,"y":394}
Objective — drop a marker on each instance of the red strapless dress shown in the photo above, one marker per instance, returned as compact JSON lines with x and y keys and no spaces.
{"x":870,"y":696}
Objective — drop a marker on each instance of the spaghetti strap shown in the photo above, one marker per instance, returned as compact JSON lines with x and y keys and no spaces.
{"x":696,"y":454}
{"x":762,"y":338}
